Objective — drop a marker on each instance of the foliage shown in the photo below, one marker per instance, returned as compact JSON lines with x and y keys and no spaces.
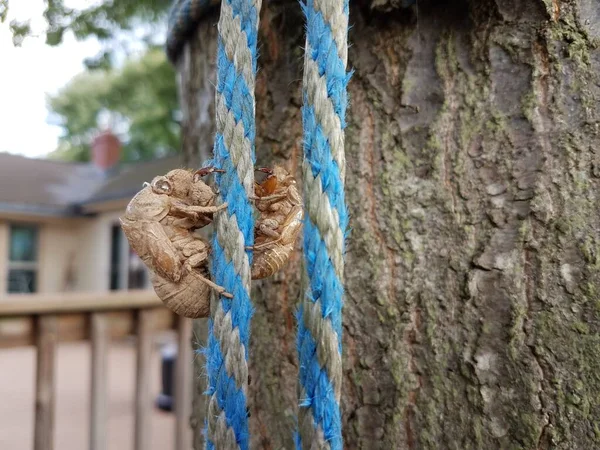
{"x":3,"y":10}
{"x":139,"y":102}
{"x":138,"y":99}
{"x":102,"y":20}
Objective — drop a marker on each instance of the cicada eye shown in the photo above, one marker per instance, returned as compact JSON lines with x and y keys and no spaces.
{"x":197,"y":177}
{"x":161,"y":186}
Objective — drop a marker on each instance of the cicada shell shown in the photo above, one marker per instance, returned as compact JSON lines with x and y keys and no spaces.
{"x":159,"y":224}
{"x":279,"y":222}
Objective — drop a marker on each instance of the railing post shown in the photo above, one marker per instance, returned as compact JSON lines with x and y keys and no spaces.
{"x":183,"y":383}
{"x":45,"y":383}
{"x":142,"y":380}
{"x":100,"y":338}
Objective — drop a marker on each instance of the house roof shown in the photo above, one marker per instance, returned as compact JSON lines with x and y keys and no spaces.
{"x":52,"y":188}
{"x":130,"y":177}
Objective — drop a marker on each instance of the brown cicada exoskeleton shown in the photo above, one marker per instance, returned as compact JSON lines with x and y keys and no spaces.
{"x":279,"y":224}
{"x":159,"y":224}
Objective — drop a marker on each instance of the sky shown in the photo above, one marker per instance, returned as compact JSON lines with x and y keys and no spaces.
{"x":29,"y":72}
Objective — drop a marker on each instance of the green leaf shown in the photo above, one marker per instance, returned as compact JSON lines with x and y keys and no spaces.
{"x":3,"y":10}
{"x":103,"y":61}
{"x":54,"y":37}
{"x":20,"y":31}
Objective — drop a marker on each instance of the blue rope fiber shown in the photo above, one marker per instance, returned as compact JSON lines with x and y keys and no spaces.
{"x":323,"y":283}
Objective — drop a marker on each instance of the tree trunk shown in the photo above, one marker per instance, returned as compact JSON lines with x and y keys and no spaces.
{"x":472,"y":306}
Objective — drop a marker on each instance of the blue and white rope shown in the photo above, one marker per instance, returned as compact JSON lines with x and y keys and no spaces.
{"x":319,"y":340}
{"x":229,"y":324}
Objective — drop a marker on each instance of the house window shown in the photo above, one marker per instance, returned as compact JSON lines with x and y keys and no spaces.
{"x":127,"y":271}
{"x":137,"y":274}
{"x":23,"y":259}
{"x":116,"y":242}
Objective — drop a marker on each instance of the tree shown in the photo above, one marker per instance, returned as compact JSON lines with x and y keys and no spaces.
{"x":139,"y":100}
{"x":472,"y":316}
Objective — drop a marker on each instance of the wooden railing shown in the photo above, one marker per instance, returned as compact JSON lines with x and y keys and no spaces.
{"x":45,"y":320}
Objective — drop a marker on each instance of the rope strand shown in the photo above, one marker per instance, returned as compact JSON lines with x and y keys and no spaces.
{"x":229,"y":325}
{"x":183,"y":18}
{"x":319,"y":340}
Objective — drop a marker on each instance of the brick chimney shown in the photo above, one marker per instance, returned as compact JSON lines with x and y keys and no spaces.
{"x":106,"y":150}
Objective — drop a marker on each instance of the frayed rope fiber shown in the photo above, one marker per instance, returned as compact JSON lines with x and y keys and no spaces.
{"x":319,"y":340}
{"x":229,"y":324}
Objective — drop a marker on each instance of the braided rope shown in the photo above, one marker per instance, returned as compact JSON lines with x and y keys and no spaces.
{"x":183,"y":18}
{"x":320,"y":313}
{"x":229,"y":325}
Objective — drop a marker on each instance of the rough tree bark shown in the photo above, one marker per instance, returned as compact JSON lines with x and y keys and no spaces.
{"x":473,"y":270}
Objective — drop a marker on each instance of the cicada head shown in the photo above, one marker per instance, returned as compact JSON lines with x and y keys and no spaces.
{"x":269,"y":185}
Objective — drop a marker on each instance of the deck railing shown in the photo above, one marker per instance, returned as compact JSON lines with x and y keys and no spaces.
{"x":44,"y":320}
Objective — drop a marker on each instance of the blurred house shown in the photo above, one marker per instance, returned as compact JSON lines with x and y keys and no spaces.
{"x":59,"y":222}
